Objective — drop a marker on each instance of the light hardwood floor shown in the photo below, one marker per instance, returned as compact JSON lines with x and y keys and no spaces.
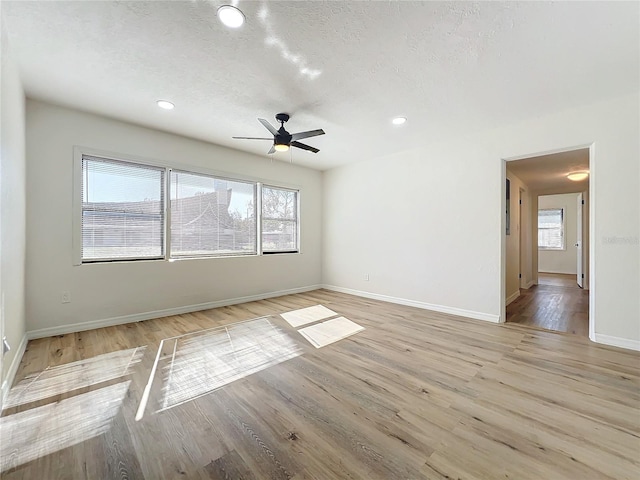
{"x":556,"y":303}
{"x":417,"y":395}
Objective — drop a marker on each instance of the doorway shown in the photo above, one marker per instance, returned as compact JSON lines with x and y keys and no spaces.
{"x":546,"y":251}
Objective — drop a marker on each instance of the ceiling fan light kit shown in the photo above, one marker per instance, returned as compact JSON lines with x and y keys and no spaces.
{"x":283,"y":140}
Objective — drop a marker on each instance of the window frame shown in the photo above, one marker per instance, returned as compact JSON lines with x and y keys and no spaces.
{"x":281,"y":252}
{"x":256,"y":189}
{"x":163,"y":241}
{"x":562,"y":233}
{"x":80,"y":151}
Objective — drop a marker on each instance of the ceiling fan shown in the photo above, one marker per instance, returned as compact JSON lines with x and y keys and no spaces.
{"x":282,"y":139}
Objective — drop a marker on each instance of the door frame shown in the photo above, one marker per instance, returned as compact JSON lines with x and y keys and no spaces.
{"x":592,"y":225}
{"x":521,"y":242}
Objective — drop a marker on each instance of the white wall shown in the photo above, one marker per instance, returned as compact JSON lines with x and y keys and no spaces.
{"x":424,"y":224}
{"x":109,"y":290}
{"x":12,"y":210}
{"x":518,"y":260}
{"x":427,"y":223}
{"x":561,"y":261}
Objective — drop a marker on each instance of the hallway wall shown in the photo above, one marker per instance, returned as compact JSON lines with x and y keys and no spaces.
{"x":518,"y":260}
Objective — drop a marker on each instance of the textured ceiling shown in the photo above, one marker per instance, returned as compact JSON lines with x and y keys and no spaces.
{"x":346,"y":67}
{"x":548,"y":173}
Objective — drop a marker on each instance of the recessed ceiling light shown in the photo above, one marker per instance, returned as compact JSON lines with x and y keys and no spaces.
{"x":399,"y":120}
{"x":165,"y":104}
{"x":577,"y":176}
{"x":230,"y":16}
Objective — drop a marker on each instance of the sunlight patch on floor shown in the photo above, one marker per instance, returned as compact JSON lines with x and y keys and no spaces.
{"x":193,"y":365}
{"x":43,"y":430}
{"x":326,"y":333}
{"x":303,"y":316}
{"x":73,"y":376}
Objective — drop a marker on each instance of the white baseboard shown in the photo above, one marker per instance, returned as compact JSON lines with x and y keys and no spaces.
{"x":529,"y":284}
{"x":13,"y":368}
{"x":512,"y":297}
{"x":138,"y":317}
{"x":413,"y":303}
{"x":617,"y":341}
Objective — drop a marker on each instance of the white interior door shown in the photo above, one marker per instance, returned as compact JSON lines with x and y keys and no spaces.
{"x":579,"y":278}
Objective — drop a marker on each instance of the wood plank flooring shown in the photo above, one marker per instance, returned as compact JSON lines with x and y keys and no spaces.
{"x":557,"y":303}
{"x":558,"y":279}
{"x":416,"y":395}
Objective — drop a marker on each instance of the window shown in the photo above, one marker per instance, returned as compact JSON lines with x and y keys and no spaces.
{"x":211,"y":216}
{"x":551,"y":229}
{"x":122,"y":210}
{"x":279,"y":220}
{"x":126,"y":210}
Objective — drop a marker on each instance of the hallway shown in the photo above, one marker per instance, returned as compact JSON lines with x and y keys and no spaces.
{"x":556,"y":303}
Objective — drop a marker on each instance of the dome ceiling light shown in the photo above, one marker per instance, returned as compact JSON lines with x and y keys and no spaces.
{"x":230,"y":16}
{"x":577,"y":176}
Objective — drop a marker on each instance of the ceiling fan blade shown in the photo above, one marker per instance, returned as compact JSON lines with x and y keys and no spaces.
{"x":310,"y":133}
{"x":273,"y":150}
{"x":268,"y":126}
{"x":304,"y":147}
{"x":253,"y":138}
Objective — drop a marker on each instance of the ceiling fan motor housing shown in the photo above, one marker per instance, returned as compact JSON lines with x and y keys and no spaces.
{"x":282,"y":138}
{"x":282,"y":117}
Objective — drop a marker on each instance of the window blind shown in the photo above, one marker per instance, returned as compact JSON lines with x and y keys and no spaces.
{"x":122,"y":210}
{"x":211,"y":216}
{"x":551,"y":229}
{"x":279,"y":220}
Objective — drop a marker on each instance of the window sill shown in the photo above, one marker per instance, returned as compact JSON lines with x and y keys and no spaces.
{"x":179,"y":259}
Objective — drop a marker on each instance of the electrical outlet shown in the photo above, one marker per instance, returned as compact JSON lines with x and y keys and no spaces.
{"x":66,"y":297}
{"x":366,"y":277}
